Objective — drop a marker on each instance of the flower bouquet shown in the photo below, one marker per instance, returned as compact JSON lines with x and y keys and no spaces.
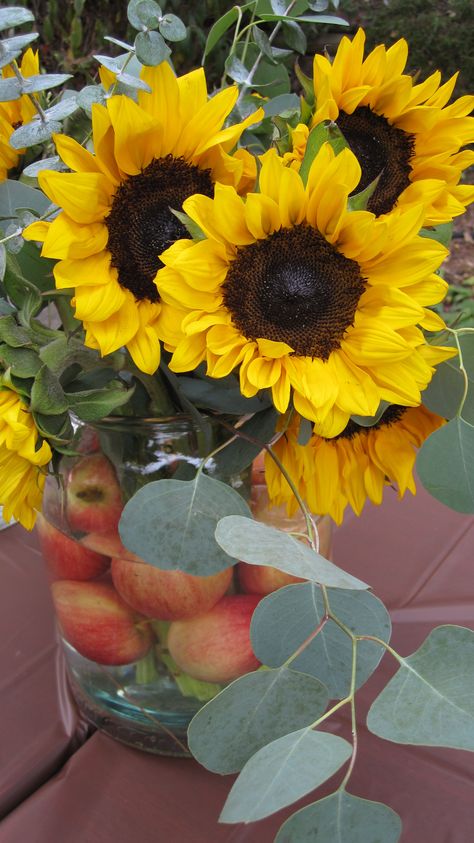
{"x":192,"y":279}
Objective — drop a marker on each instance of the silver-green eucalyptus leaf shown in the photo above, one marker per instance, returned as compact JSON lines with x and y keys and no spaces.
{"x":10,"y":89}
{"x":250,"y":713}
{"x":150,"y":48}
{"x":43,"y":82}
{"x":172,"y":28}
{"x":64,"y":108}
{"x":34,"y":132}
{"x":285,"y":619}
{"x":430,"y":700}
{"x":11,"y":48}
{"x":282,"y":772}
{"x":342,"y":818}
{"x":53,"y":163}
{"x":258,"y":544}
{"x":445,"y":465}
{"x":144,"y":14}
{"x":171,"y":523}
{"x":15,"y":16}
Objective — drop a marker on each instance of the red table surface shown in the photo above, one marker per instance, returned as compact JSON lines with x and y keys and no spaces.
{"x":419,"y":558}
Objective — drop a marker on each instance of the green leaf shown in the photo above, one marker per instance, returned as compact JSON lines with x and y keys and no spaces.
{"x":150,"y":48}
{"x":172,"y":28}
{"x":220,"y":27}
{"x":14,"y":195}
{"x":342,"y":818}
{"x":240,"y":453}
{"x":47,"y":394}
{"x":369,"y":421}
{"x":316,"y":138}
{"x":10,"y":89}
{"x":64,"y":108}
{"x":3,"y":261}
{"x":94,"y":405}
{"x":236,"y":70}
{"x":262,"y":42}
{"x":445,"y":465}
{"x":171,"y":524}
{"x":24,"y":362}
{"x":44,"y":81}
{"x":12,"y":334}
{"x":191,"y":227}
{"x":133,"y":82}
{"x":441,"y":233}
{"x":250,"y":713}
{"x":295,"y":37}
{"x":37,"y":131}
{"x":326,"y":19}
{"x":188,"y":686}
{"x":283,"y":772}
{"x":285,"y":104}
{"x":430,"y":700}
{"x":359,"y":201}
{"x":446,"y":389}
{"x":256,"y":543}
{"x":222,"y":395}
{"x":10,"y":48}
{"x":90,"y":95}
{"x":276,"y":636}
{"x":305,"y":432}
{"x":53,"y":163}
{"x":63,"y":352}
{"x":15,"y":16}
{"x":143,"y":13}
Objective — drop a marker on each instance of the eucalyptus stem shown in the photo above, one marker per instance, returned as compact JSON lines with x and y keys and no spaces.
{"x":31,"y":97}
{"x":353,"y":717}
{"x":257,"y":61}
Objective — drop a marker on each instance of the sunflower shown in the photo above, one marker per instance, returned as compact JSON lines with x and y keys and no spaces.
{"x":305,"y":298}
{"x":333,"y":473}
{"x":405,"y":131}
{"x":13,"y":114}
{"x":116,"y":219}
{"x":22,"y":461}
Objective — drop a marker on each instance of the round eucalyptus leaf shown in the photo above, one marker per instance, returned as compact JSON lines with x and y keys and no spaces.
{"x":133,"y":82}
{"x":90,"y":95}
{"x":150,"y":48}
{"x":430,"y":700}
{"x":15,"y":16}
{"x":14,"y":195}
{"x":250,"y":713}
{"x":285,"y":619}
{"x":172,"y":28}
{"x":62,"y":109}
{"x":35,"y":132}
{"x":171,"y":523}
{"x":445,"y":465}
{"x":342,"y":818}
{"x":282,"y":772}
{"x":143,"y":14}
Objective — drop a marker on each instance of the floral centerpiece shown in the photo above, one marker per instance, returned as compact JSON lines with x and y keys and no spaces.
{"x":198,"y":278}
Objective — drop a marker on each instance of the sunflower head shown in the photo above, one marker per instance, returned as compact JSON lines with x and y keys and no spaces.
{"x":23,"y":461}
{"x":406,"y":134}
{"x":118,"y":202}
{"x":321,"y":305}
{"x":355,"y":466}
{"x":14,"y":114}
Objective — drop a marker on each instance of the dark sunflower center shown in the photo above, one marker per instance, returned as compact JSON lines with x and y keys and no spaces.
{"x":294,"y":287}
{"x":391,"y":415}
{"x":141,"y":225}
{"x":380,"y":148}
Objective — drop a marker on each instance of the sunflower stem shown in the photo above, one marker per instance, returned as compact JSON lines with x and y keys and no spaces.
{"x":161,"y":404}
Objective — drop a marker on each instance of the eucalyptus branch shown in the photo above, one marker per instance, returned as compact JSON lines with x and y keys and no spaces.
{"x":257,"y":61}
{"x":353,"y":717}
{"x":462,"y":369}
{"x":306,"y":642}
{"x":382,"y":644}
{"x":234,"y":40}
{"x":31,"y":97}
{"x":12,"y":236}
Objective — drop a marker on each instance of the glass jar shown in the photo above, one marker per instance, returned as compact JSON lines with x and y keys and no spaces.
{"x":145,"y":648}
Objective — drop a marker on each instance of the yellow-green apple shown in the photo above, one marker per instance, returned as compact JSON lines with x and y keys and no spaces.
{"x":263,"y":579}
{"x":99,"y":624}
{"x":167,"y":595}
{"x":215,"y":646}
{"x":93,"y":496}
{"x":66,"y":558}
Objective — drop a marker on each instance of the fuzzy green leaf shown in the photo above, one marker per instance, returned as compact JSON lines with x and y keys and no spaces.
{"x":250,"y":713}
{"x":342,"y":818}
{"x":430,"y":700}
{"x":47,"y":394}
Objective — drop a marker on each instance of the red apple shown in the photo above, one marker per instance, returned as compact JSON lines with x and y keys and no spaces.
{"x":215,"y":646}
{"x":97,"y":622}
{"x":263,"y":579}
{"x":93,"y":496}
{"x":167,"y":595}
{"x":67,"y":559}
{"x":108,"y":543}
